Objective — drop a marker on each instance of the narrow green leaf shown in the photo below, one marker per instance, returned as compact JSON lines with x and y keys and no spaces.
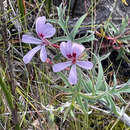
{"x":63,"y":88}
{"x":103,"y":57}
{"x":100,"y":80}
{"x":72,"y":114}
{"x":112,"y":105}
{"x":91,"y":97}
{"x":114,"y":80}
{"x":124,"y":38}
{"x":120,"y":97}
{"x":126,"y":50}
{"x":80,"y":102}
{"x":125,"y":89}
{"x":58,"y":11}
{"x":62,"y":24}
{"x":123,"y":25}
{"x":61,"y":11}
{"x":66,"y":113}
{"x":52,"y":20}
{"x":88,"y":86}
{"x":85,"y":38}
{"x":114,"y":28}
{"x":76,"y":106}
{"x":77,"y":25}
{"x":59,"y":39}
{"x":63,"y":77}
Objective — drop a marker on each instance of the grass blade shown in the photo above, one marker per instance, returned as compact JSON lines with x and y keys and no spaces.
{"x":21,"y":6}
{"x":7,"y":94}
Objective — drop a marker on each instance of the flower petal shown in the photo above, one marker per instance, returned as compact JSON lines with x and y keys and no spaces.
{"x":61,"y":66}
{"x":78,"y":49}
{"x":30,"y":39}
{"x":85,"y":64}
{"x":43,"y":54}
{"x":44,"y":30}
{"x":48,"y":30}
{"x":73,"y":75}
{"x":65,"y":48}
{"x":27,"y":58}
{"x":40,"y":22}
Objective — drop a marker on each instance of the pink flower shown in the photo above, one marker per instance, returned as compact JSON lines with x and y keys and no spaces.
{"x":72,"y":52}
{"x":44,"y":30}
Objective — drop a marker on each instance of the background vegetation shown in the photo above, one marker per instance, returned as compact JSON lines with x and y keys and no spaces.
{"x":33,"y":97}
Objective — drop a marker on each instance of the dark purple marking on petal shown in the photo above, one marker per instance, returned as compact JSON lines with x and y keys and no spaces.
{"x":69,"y":56}
{"x":41,"y":36}
{"x":74,"y":54}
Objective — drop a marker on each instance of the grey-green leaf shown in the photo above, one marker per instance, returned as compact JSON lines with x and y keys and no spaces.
{"x":86,"y":38}
{"x":112,"y":105}
{"x":125,"y":88}
{"x":123,"y":25}
{"x":63,"y":77}
{"x":59,"y":39}
{"x":103,"y":57}
{"x":77,"y":25}
{"x":124,"y":38}
{"x":100,"y":80}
